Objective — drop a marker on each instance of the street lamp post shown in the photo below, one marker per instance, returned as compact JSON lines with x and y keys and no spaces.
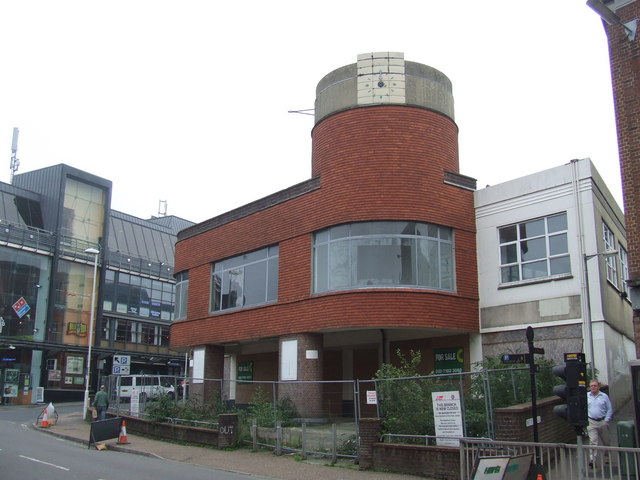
{"x":589,"y":328}
{"x":95,"y":254}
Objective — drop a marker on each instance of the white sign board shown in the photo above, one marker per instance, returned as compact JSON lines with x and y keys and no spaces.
{"x":447,"y":415}
{"x":121,"y":365}
{"x":372,"y":397}
{"x":134,"y":406}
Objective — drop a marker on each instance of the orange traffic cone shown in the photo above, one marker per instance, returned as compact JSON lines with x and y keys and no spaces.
{"x":45,"y":419}
{"x":122,"y":439}
{"x":540,"y":477}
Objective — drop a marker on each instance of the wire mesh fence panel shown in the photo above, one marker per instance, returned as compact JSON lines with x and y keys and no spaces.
{"x":406,"y":404}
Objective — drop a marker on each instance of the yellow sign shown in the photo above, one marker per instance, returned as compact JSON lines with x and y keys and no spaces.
{"x":79,"y":329}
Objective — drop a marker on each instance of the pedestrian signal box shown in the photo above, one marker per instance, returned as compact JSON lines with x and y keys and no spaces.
{"x":574,"y":390}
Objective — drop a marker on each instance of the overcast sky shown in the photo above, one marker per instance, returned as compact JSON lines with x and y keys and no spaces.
{"x":186,"y":101}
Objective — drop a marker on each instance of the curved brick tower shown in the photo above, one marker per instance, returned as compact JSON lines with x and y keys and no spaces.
{"x":385,"y":164}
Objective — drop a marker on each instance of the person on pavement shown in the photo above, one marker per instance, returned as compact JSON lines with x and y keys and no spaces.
{"x":600,"y":413}
{"x":101,"y":403}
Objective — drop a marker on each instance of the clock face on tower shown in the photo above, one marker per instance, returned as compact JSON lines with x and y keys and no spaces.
{"x":381,"y":78}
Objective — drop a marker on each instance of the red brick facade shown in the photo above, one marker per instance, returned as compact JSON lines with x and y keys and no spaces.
{"x":386,"y":162}
{"x":395,"y":171}
{"x":625,"y":71}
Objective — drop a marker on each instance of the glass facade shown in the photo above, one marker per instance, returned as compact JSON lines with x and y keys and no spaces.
{"x":73,"y":283}
{"x":18,"y":210}
{"x":23,"y":275}
{"x":133,"y":295}
{"x":383,"y":254}
{"x":246,"y":280}
{"x":534,"y":249}
{"x":83,"y":212}
{"x":134,"y":332}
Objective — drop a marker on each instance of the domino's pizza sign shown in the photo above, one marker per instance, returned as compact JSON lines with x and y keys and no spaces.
{"x":21,"y":307}
{"x":121,"y":365}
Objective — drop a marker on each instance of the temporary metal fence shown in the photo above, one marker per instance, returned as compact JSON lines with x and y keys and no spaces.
{"x":313,"y":418}
{"x":406,"y":404}
{"x":299,"y":415}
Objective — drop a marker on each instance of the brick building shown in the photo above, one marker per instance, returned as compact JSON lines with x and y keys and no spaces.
{"x":624,"y":54}
{"x":376,"y":252}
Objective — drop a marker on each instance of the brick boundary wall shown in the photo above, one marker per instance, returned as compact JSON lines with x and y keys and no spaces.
{"x":511,"y":423}
{"x":435,"y":462}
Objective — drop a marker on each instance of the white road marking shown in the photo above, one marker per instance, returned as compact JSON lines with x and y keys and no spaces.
{"x":44,"y":463}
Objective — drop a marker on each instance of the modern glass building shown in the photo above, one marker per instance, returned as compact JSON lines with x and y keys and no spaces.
{"x":52,"y":221}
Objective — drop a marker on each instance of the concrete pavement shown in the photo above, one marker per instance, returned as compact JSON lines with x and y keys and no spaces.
{"x":262,"y":463}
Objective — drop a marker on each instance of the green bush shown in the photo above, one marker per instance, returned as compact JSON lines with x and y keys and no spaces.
{"x":267,"y":414}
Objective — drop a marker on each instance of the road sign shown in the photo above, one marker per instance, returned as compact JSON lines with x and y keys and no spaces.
{"x":515,"y":358}
{"x":121,"y":365}
{"x":121,"y":370}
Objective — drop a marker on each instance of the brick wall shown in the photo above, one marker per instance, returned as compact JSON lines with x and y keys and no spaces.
{"x":511,"y":423}
{"x":625,"y":70}
{"x":374,"y":163}
{"x":435,"y":462}
{"x":624,"y":56}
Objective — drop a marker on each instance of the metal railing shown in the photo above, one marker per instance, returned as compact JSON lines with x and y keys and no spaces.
{"x":560,"y":461}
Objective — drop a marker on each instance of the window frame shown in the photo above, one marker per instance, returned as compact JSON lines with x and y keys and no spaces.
{"x":337,"y":252}
{"x":623,"y":256}
{"x":519,"y":245}
{"x":243,"y":268}
{"x":611,"y":264}
{"x":181,"y":295}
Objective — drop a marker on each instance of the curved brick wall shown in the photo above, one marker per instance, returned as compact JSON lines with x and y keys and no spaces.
{"x":376,"y":162}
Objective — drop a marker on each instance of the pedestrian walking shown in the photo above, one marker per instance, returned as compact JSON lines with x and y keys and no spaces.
{"x":600,"y":413}
{"x":101,"y":403}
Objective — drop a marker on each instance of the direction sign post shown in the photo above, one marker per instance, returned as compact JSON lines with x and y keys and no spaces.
{"x":121,"y":365}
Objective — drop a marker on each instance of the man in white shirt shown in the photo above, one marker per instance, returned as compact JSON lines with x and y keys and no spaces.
{"x":600,"y":413}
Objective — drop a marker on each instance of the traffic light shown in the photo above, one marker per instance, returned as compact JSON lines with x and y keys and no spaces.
{"x":574,"y":391}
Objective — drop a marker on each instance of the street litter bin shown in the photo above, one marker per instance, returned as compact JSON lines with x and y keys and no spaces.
{"x":627,"y":439}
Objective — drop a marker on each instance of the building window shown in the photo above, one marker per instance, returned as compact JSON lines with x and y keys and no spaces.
{"x":138,"y":296}
{"x":164,"y":336}
{"x":610,"y":260}
{"x":246,"y":280}
{"x":624,"y":268}
{"x":534,"y":249}
{"x":147,"y":334}
{"x":124,"y":331}
{"x":383,"y":254}
{"x":182,"y":292}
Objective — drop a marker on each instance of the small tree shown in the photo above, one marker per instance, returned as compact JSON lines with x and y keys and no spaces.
{"x":405,"y":400}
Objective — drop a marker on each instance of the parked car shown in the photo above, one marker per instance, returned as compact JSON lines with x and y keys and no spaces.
{"x":148,"y":386}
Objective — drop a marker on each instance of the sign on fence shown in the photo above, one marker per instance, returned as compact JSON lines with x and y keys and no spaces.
{"x":447,"y":415}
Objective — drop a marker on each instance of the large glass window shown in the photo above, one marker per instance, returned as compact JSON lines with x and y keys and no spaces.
{"x":22,"y":276}
{"x":246,"y":280}
{"x":84,"y":209}
{"x":534,"y":249}
{"x":610,"y":260}
{"x":138,"y":296}
{"x":182,"y":291}
{"x":383,"y":254}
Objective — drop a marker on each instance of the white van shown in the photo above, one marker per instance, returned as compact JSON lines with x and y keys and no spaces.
{"x":148,"y":386}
